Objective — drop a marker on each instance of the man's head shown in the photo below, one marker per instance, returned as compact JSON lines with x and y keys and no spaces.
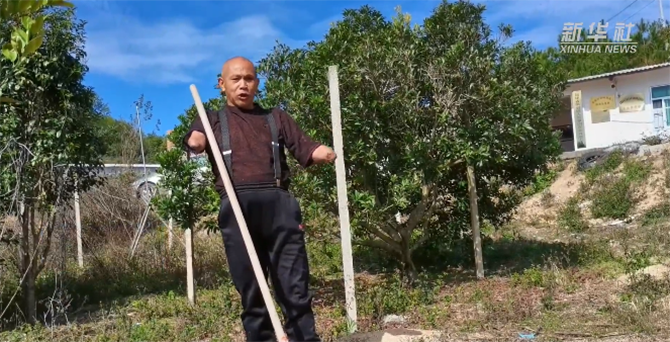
{"x":238,"y":80}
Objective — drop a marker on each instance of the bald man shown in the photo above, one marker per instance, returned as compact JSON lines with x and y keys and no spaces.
{"x":252,"y":141}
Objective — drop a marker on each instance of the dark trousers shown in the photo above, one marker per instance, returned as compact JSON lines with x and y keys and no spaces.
{"x":274,"y":220}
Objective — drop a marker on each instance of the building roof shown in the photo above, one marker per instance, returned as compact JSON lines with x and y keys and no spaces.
{"x":620,"y":72}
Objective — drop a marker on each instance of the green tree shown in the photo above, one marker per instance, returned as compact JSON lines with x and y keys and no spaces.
{"x":491,"y":102}
{"x":154,"y":145}
{"x":49,"y":146}
{"x":402,"y":153}
{"x":186,"y":191}
{"x":25,"y":20}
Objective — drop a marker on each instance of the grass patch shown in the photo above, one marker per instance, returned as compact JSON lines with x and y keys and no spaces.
{"x":657,"y":214}
{"x":571,"y":218}
{"x":613,"y":195}
{"x":613,"y":198}
{"x":608,"y":165}
{"x":541,"y":181}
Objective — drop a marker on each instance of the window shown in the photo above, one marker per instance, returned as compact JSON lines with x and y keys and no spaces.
{"x":660,"y":100}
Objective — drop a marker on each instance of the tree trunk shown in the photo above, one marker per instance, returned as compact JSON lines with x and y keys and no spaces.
{"x":27,"y":266}
{"x":408,"y":263}
{"x":474,"y":222}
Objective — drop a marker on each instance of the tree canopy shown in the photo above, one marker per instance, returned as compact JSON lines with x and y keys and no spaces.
{"x":421,"y":105}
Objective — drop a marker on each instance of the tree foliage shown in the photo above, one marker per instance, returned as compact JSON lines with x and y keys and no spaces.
{"x":417,"y":104}
{"x":47,"y":138}
{"x":25,"y":21}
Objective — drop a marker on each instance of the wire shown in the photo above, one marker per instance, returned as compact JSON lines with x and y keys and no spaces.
{"x":614,"y":16}
{"x":640,"y":10}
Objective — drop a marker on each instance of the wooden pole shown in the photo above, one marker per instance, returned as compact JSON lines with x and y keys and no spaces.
{"x":232,"y":197}
{"x":169,"y":146}
{"x":77,"y":217}
{"x":343,"y":206}
{"x":170,"y":234}
{"x":474,"y":222}
{"x":190,"y":282}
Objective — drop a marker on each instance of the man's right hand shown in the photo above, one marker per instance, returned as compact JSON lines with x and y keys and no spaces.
{"x":197,"y":142}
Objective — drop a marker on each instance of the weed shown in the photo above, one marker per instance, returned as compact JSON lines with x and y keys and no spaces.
{"x":571,"y":218}
{"x":666,"y":168}
{"x":541,"y":181}
{"x":612,"y":198}
{"x":531,"y":277}
{"x":608,"y":165}
{"x":636,"y":171}
{"x":657,"y":213}
{"x":547,"y":199}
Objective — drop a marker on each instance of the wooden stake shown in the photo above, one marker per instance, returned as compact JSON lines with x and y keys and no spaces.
{"x":474,"y":222}
{"x":190,"y":282}
{"x":343,"y":206}
{"x":169,"y":146}
{"x":170,"y":234}
{"x":232,"y":197}
{"x":77,"y":217}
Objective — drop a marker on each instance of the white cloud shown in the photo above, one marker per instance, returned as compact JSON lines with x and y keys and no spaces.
{"x":173,"y":50}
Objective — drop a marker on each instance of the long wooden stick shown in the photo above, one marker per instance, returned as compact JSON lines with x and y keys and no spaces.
{"x":232,"y":197}
{"x":190,"y":281}
{"x":343,"y":206}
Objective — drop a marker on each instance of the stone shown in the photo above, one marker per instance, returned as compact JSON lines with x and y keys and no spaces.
{"x":393,"y":319}
{"x":655,"y":272}
{"x":652,"y":150}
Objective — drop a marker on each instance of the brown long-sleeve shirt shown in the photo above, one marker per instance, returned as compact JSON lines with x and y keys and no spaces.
{"x":250,"y":142}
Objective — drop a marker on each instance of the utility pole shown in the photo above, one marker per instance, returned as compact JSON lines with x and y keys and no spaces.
{"x":660,"y":6}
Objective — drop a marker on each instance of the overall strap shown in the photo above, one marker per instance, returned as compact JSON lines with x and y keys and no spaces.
{"x":225,"y":140}
{"x":275,"y":147}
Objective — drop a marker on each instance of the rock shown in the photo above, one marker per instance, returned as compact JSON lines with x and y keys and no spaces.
{"x":651,"y":150}
{"x":655,"y":272}
{"x":631,"y":147}
{"x":393,"y":319}
{"x":395,"y":335}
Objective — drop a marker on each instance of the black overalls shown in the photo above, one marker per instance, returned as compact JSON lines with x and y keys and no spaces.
{"x":274,"y":219}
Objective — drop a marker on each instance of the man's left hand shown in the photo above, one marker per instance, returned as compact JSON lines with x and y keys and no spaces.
{"x":323,"y":154}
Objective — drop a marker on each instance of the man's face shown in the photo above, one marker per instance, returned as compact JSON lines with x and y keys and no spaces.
{"x":238,"y":80}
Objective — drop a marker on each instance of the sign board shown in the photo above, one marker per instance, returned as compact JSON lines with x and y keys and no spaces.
{"x":600,"y":108}
{"x":578,"y":118}
{"x":631,"y":103}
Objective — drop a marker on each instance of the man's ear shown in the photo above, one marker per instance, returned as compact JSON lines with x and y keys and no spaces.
{"x":221,"y":85}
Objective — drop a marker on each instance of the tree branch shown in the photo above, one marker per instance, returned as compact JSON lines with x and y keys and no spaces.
{"x":394,"y":249}
{"x":378,"y":232}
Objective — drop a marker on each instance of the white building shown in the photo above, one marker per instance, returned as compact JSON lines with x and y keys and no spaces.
{"x":616,"y":107}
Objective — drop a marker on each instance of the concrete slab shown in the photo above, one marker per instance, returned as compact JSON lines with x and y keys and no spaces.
{"x":395,"y":335}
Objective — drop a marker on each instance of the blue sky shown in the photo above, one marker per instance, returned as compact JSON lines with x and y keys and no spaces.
{"x":158,"y":48}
